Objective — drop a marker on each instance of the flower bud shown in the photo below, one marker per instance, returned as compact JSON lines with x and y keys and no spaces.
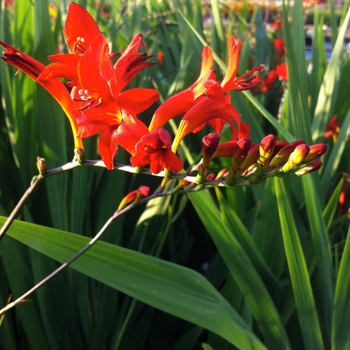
{"x":41,"y":165}
{"x":283,"y":154}
{"x":266,"y":149}
{"x":225,"y":149}
{"x":210,"y":143}
{"x":315,"y":152}
{"x":310,"y":167}
{"x":79,"y":155}
{"x":134,"y":196}
{"x":251,"y":158}
{"x":297,"y":157}
{"x":240,"y":153}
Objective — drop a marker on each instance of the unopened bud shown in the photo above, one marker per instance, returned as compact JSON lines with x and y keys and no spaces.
{"x":315,"y":152}
{"x":210,"y":143}
{"x":240,"y":153}
{"x":222,"y":174}
{"x":225,"y":149}
{"x":79,"y":155}
{"x":283,"y":154}
{"x":251,"y":158}
{"x":134,"y":196}
{"x":41,"y":165}
{"x":266,"y":149}
{"x":297,"y":157}
{"x":310,"y":167}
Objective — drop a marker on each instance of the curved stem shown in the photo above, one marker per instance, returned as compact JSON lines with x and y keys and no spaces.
{"x":33,"y":186}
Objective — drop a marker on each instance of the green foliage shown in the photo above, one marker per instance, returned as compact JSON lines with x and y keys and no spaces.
{"x":247,"y":268}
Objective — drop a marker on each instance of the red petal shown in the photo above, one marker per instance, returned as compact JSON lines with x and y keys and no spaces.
{"x":232,"y":67}
{"x":80,"y":29}
{"x":130,"y":133}
{"x":108,"y":146}
{"x":64,"y":66}
{"x":137,"y":100}
{"x":171,"y":161}
{"x":95,"y":71}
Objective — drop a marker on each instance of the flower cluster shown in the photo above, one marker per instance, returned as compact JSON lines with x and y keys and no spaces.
{"x":97,"y":101}
{"x":252,"y":163}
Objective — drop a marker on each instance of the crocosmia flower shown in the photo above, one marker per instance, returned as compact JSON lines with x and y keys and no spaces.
{"x":80,"y":30}
{"x":98,"y":83}
{"x":55,"y":87}
{"x":206,"y":101}
{"x":155,"y":149}
{"x":181,"y":102}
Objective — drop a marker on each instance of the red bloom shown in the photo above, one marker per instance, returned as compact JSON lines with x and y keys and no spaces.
{"x":279,"y":46}
{"x":155,"y":149}
{"x":105,"y":103}
{"x":55,"y":87}
{"x":282,"y":71}
{"x":99,"y":83}
{"x":206,"y":100}
{"x":231,"y":81}
{"x":332,"y":129}
{"x":80,"y":30}
{"x":184,"y":100}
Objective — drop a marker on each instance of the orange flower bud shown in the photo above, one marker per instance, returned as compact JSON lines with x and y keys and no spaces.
{"x":266,"y":148}
{"x":315,"y":152}
{"x":240,"y":153}
{"x":312,"y":166}
{"x":210,"y":143}
{"x":297,"y":157}
{"x":134,"y":196}
{"x":41,"y":165}
{"x":283,"y":154}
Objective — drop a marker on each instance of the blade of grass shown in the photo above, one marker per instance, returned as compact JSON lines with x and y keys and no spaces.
{"x":169,"y":287}
{"x":303,"y":296}
{"x":298,"y":116}
{"x":341,"y":314}
{"x":242,"y":270}
{"x":323,"y":257}
{"x":329,"y":88}
{"x":287,"y":135}
{"x":333,"y":161}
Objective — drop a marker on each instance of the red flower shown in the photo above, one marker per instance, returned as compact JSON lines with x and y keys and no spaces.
{"x":206,"y":100}
{"x":184,"y":100}
{"x":282,"y":71}
{"x":55,"y":87}
{"x":279,"y":46}
{"x":80,"y":30}
{"x":105,"y":103}
{"x":332,"y":129}
{"x":231,"y":81}
{"x":99,"y":83}
{"x":155,"y":149}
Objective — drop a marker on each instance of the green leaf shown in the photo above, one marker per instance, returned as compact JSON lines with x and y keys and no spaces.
{"x":323,"y":257}
{"x":333,"y":161}
{"x":329,"y":88}
{"x":298,"y":116}
{"x":174,"y":289}
{"x":242,"y":270}
{"x":303,"y":296}
{"x":341,"y":314}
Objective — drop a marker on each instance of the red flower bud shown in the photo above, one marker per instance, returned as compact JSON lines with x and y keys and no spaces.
{"x":210,"y":143}
{"x":315,"y":152}
{"x":134,"y":196}
{"x":266,"y":148}
{"x":240,"y":153}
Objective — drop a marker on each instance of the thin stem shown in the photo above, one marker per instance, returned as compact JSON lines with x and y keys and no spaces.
{"x":33,"y":186}
{"x":83,"y":250}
